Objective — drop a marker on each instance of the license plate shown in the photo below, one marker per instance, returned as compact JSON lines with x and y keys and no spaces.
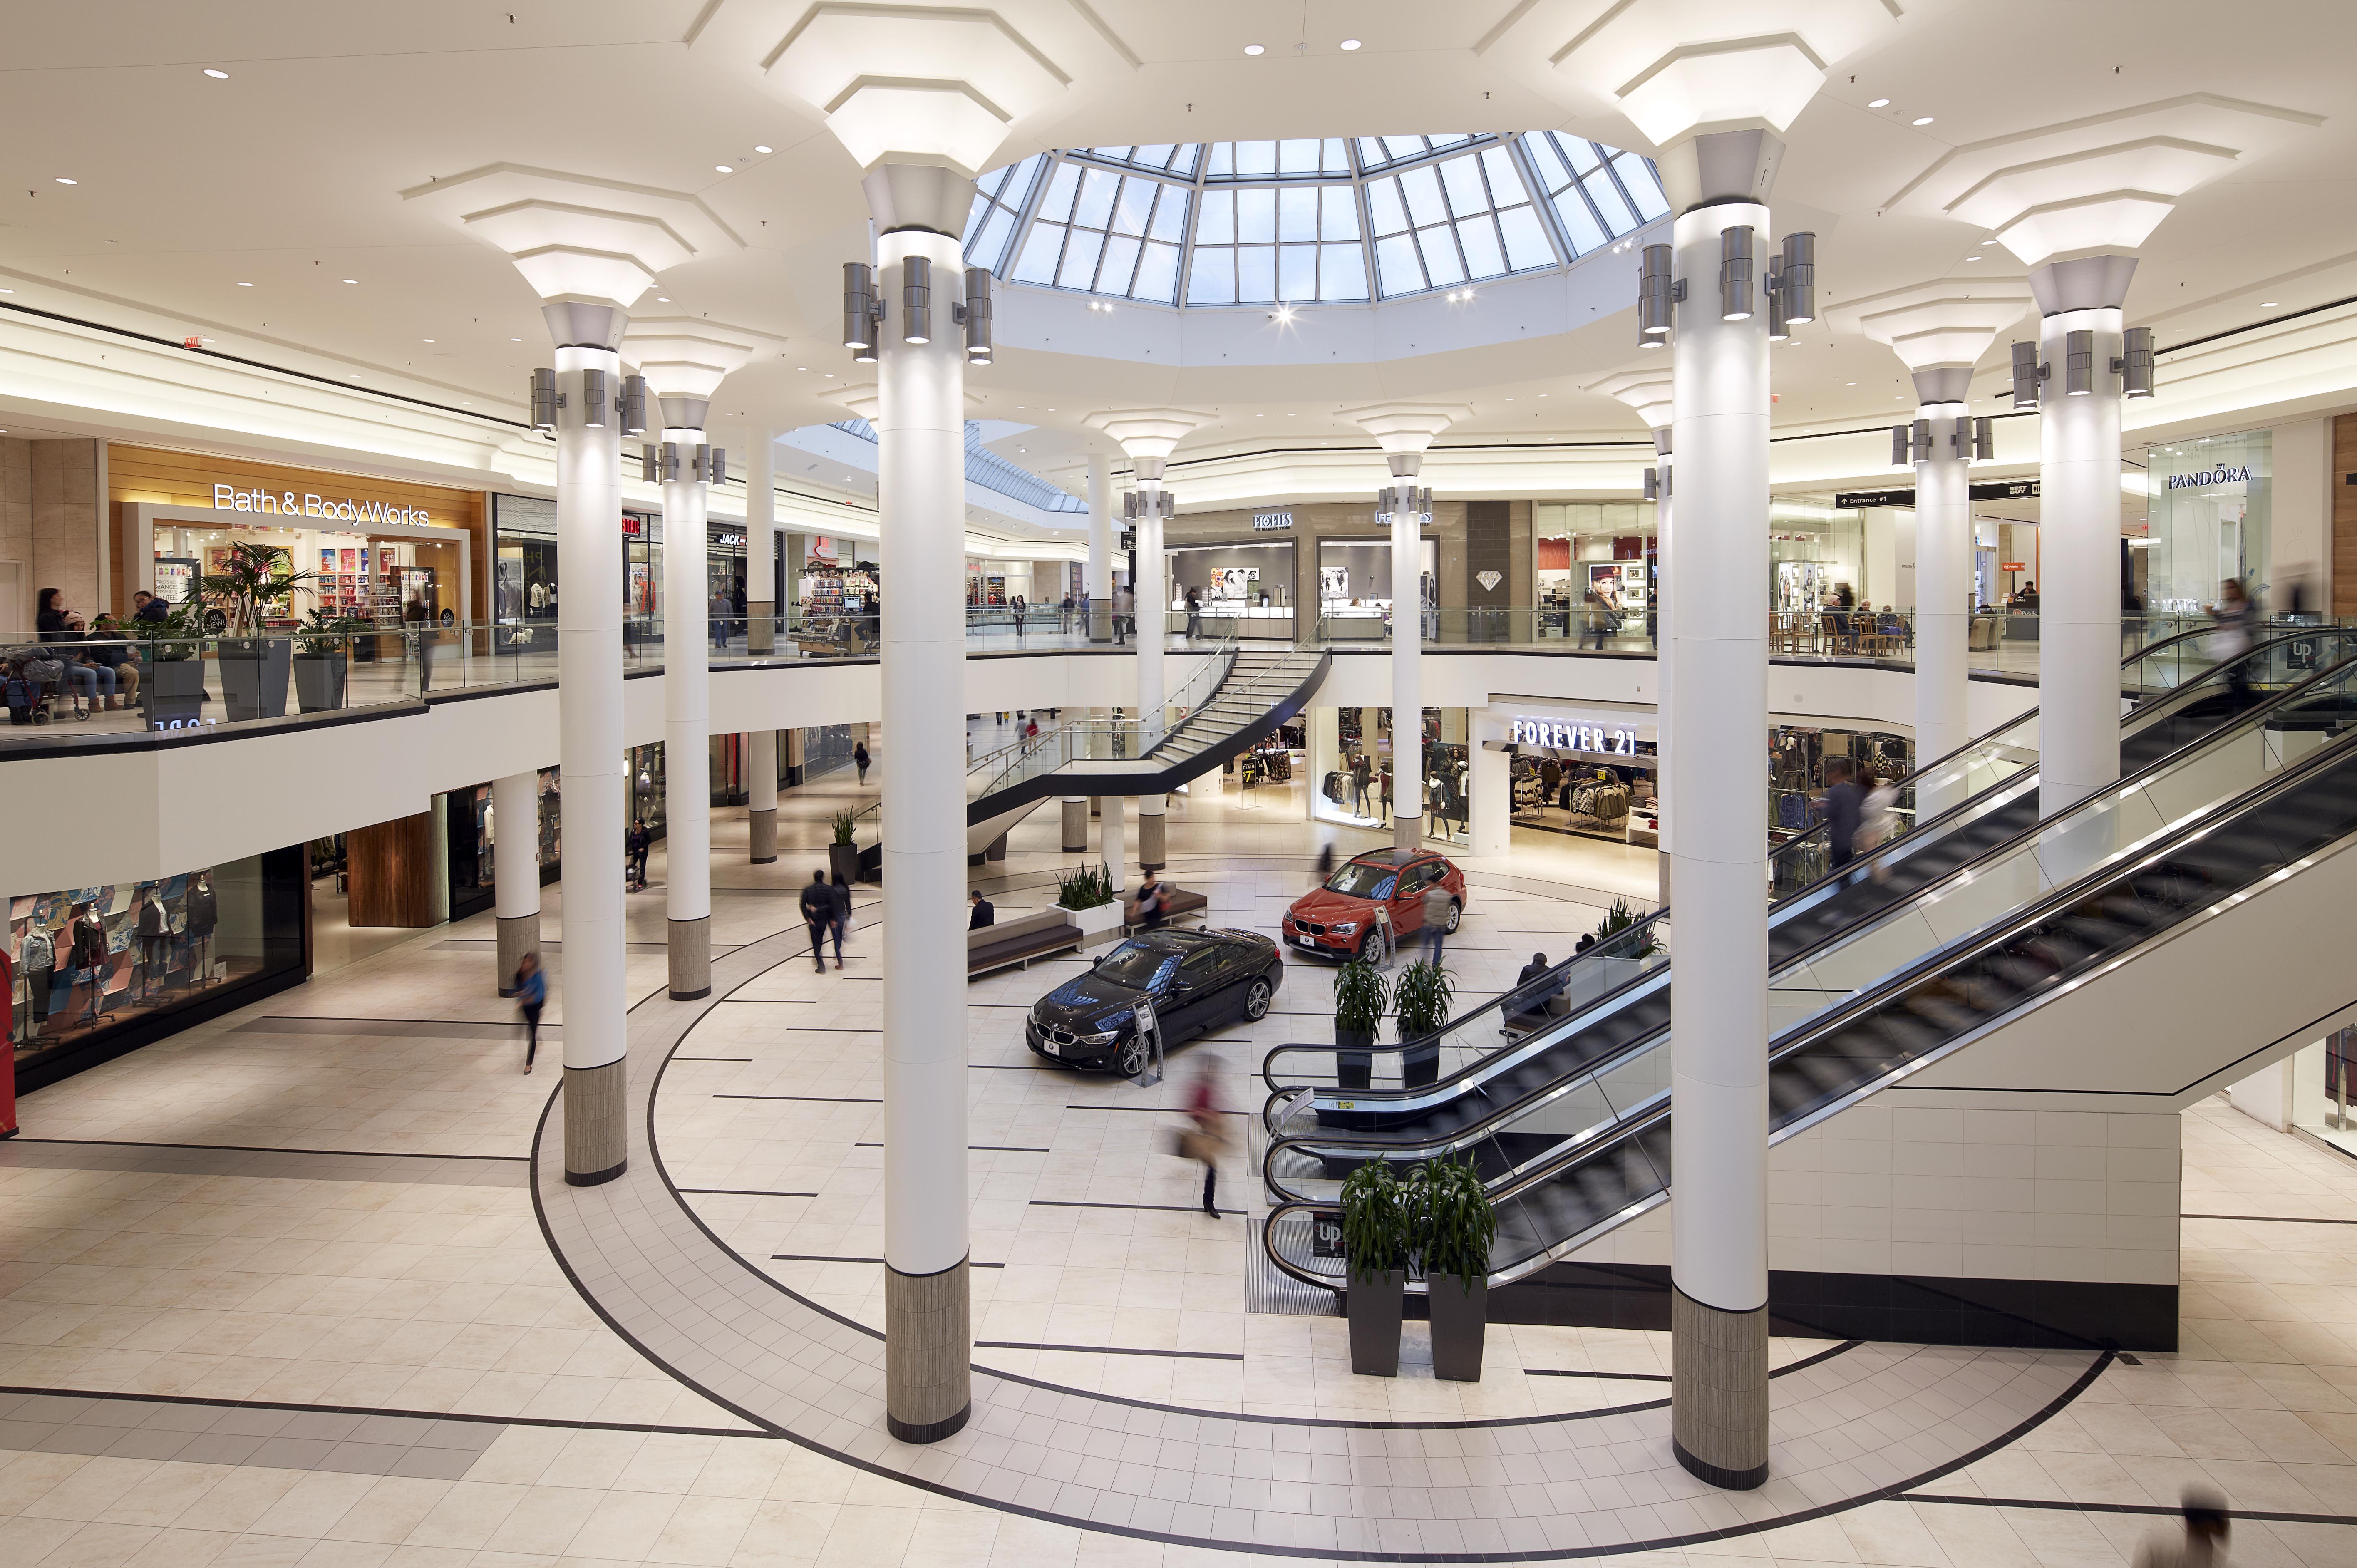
{"x":1306,"y":941}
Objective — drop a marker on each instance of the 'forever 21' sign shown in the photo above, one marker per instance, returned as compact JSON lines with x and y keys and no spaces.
{"x":1561,"y":737}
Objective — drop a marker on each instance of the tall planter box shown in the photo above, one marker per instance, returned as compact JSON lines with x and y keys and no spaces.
{"x":1420,"y":1065}
{"x":1354,"y":1057}
{"x":319,"y":682}
{"x":842,"y":861}
{"x":1372,"y":1304}
{"x":1460,"y":1318}
{"x":172,"y":691}
{"x":1092,"y":922}
{"x":254,"y":672}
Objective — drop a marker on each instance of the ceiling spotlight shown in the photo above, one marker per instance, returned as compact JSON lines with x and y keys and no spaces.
{"x":217,"y":75}
{"x":764,"y":151}
{"x":1879,"y":103}
{"x":723,"y":169}
{"x":1972,"y":258}
{"x":662,"y":299}
{"x":1254,"y":50}
{"x":1283,"y":313}
{"x":1349,"y":44}
{"x":2267,"y":305}
{"x":356,"y":280}
{"x":515,"y":340}
{"x":63,"y":180}
{"x":245,"y":286}
{"x":425,"y":339}
{"x":1923,"y":120}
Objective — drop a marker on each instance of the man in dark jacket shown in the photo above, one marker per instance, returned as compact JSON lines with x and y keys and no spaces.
{"x":984,"y":912}
{"x":1842,"y":803}
{"x":818,"y":913}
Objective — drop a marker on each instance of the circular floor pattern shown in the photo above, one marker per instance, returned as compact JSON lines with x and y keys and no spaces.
{"x":1849,"y":1427}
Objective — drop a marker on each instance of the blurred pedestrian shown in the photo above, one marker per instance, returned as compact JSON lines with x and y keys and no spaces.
{"x":818,"y":913}
{"x":859,"y":759}
{"x":1879,"y":820}
{"x":1209,"y":1136}
{"x":838,"y":921}
{"x":2235,"y":614}
{"x":1842,"y":803}
{"x":532,"y":996}
{"x":637,"y":843}
{"x":1437,"y":906}
{"x":2202,"y":1544}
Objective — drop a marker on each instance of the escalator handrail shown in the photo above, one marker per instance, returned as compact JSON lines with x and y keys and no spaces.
{"x":1889,"y":988}
{"x":1472,"y":1131}
{"x":1557,"y":977}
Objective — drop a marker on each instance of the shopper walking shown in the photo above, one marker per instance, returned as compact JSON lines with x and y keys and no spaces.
{"x":2202,"y":1544}
{"x":2236,"y":616}
{"x":818,"y":913}
{"x":1594,"y":618}
{"x":719,"y":609}
{"x":1877,"y":821}
{"x":532,"y":996}
{"x":1125,"y":614}
{"x":1843,"y":804}
{"x":859,"y":759}
{"x":1436,"y":904}
{"x":1015,"y":607}
{"x":1153,"y":903}
{"x":1194,"y":614}
{"x":838,"y":914}
{"x":1064,"y":615}
{"x":1208,"y":1138}
{"x":637,"y":843}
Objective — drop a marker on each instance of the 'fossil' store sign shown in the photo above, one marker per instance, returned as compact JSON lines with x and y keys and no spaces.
{"x":291,"y":503}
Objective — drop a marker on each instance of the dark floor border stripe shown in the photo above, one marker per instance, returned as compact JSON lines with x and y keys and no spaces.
{"x":298,"y":1407}
{"x":274,"y":1149}
{"x":835,"y":1258}
{"x":984,"y":1148}
{"x":1612,"y":1376}
{"x":812,"y":1099}
{"x":2162,"y":1510}
{"x":743,"y":1192}
{"x":1108,"y":1350}
{"x":1154,"y":1208}
{"x":712,"y":1059}
{"x":1154,"y":1110}
{"x":2272,"y":1218}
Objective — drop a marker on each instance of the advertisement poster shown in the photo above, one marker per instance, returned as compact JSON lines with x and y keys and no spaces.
{"x":1334,"y":582}
{"x":1233,"y":582}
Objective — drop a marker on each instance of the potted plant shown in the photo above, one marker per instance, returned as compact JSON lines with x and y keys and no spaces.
{"x":1088,"y":901}
{"x":1376,"y":1238}
{"x":1421,"y":1000}
{"x":1619,"y":918}
{"x":253,"y":667}
{"x":1361,"y":995}
{"x":322,"y":662}
{"x":842,"y":855}
{"x":1456,"y":1226}
{"x":171,"y":671}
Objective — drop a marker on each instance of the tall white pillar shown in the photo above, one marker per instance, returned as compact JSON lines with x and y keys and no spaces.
{"x":1490,"y":793}
{"x":1153,"y":602}
{"x":1718,"y":588}
{"x":1100,"y":576}
{"x":1113,"y":837}
{"x":515,"y":871}
{"x":1943,"y":575}
{"x":2079,"y":532}
{"x":761,"y":794}
{"x":688,"y":702}
{"x":762,"y":545}
{"x":920,"y":494}
{"x":1649,"y":391}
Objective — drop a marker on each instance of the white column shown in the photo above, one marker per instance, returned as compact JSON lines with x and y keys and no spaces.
{"x":1664,"y":662}
{"x":589,"y":748}
{"x":1943,"y":575}
{"x":1100,"y":577}
{"x":1490,"y":793}
{"x":1325,"y":752}
{"x":760,"y":544}
{"x":1718,"y":584}
{"x":687,"y":708}
{"x":761,"y":794}
{"x":515,"y":871}
{"x":1152,"y":600}
{"x":920,"y":436}
{"x":1112,"y":835}
{"x":2078,"y":547}
{"x":1407,"y":653}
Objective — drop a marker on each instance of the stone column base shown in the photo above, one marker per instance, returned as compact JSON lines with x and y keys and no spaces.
{"x":519,"y":934}
{"x":1096,"y":805}
{"x":1149,"y":843}
{"x":1719,"y":1391}
{"x":765,"y":836}
{"x":760,"y":626}
{"x":927,"y":1353}
{"x":1407,"y":833}
{"x":596,"y":1142}
{"x":691,"y":959}
{"x":1076,"y":827}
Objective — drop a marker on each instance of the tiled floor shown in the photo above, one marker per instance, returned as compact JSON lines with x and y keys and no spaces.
{"x":305,"y":1228}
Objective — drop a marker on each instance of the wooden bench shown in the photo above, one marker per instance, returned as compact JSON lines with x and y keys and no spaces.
{"x":1178,"y":901}
{"x":1017,"y":942}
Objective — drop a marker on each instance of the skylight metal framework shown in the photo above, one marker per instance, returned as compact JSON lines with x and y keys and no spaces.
{"x":1309,"y":220}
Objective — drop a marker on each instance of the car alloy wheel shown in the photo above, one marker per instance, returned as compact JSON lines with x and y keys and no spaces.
{"x":1455,"y":913}
{"x":1256,"y":1002}
{"x":1132,"y":1060}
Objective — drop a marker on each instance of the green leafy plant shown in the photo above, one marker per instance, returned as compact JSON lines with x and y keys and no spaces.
{"x":329,"y":634}
{"x":1455,"y":1222}
{"x":178,"y":636}
{"x":1376,"y":1234}
{"x":1360,"y":997}
{"x":1421,"y":999}
{"x":1086,"y":888}
{"x":1619,"y":918}
{"x":251,"y":578}
{"x":844,"y":824}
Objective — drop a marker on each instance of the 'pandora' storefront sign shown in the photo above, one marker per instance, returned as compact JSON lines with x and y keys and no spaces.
{"x":2209,"y":477}
{"x":290,"y":503}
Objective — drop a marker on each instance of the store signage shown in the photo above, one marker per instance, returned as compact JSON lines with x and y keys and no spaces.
{"x":229,"y":498}
{"x":1263,"y":521}
{"x":729,"y":541}
{"x":631,"y":527}
{"x":1560,"y":736}
{"x":2209,"y":477}
{"x":1992,"y":491}
{"x":2013,"y":565}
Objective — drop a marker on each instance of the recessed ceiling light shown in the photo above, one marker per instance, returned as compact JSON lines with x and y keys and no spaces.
{"x":765,"y":150}
{"x":7,"y":291}
{"x":723,"y":169}
{"x":1879,"y":103}
{"x":1254,"y":50}
{"x":1972,"y":258}
{"x":515,"y":340}
{"x":217,"y":75}
{"x":1923,"y":120}
{"x":63,"y":180}
{"x":425,"y":339}
{"x":351,"y":280}
{"x":2267,"y":305}
{"x":662,"y":299}
{"x":245,"y":286}
{"x":1349,"y":43}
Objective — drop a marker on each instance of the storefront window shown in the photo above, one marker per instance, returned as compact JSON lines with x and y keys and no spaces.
{"x":365,"y":576}
{"x":96,"y":969}
{"x":2208,"y":512}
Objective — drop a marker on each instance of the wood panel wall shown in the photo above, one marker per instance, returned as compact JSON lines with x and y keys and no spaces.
{"x":187,"y":479}
{"x":393,"y":868}
{"x":2344,"y":514}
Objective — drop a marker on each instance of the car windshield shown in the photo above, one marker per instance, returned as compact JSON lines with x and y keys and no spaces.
{"x":1141,"y":966}
{"x":1360,"y":879}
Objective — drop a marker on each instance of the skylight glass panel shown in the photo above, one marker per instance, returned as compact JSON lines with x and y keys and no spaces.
{"x":998,"y":199}
{"x":1092,"y":232}
{"x":1599,"y":194}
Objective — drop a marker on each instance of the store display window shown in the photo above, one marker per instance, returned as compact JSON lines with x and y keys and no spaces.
{"x":2208,"y":513}
{"x":350,"y":575}
{"x":96,"y":971}
{"x":2324,"y":1081}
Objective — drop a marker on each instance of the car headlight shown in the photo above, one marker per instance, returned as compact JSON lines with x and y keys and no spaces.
{"x":1344,"y":930}
{"x":1101,"y":1038}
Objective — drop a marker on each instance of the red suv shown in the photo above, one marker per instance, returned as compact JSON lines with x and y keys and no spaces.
{"x":1336,"y":918}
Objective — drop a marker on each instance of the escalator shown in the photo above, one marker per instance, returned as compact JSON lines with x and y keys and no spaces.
{"x":1602,"y":1001}
{"x":2062,"y":912}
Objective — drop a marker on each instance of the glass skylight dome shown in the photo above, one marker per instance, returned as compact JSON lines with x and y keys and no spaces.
{"x":1208,"y":223}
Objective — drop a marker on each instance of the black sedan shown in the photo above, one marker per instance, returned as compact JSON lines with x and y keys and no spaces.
{"x":1197,"y":981}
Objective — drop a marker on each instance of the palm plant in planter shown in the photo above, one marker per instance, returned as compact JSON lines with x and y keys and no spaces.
{"x":842,"y":855}
{"x":1455,"y":1225}
{"x":253,"y":667}
{"x":1360,"y":993}
{"x":322,"y":660}
{"x":1421,"y":1000}
{"x":1376,"y":1239}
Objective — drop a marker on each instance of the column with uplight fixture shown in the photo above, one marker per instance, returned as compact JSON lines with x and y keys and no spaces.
{"x":589,"y":247}
{"x":760,"y":636}
{"x":1650,"y":392}
{"x":1406,"y":432}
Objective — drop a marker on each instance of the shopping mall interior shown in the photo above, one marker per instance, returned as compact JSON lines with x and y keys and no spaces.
{"x":1577,"y":944}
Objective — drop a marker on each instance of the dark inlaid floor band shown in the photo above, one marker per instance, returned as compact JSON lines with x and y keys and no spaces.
{"x":1109,"y":1350}
{"x":2272,"y":1218}
{"x":743,"y":1192}
{"x":2158,"y":1510}
{"x":1612,"y":1376}
{"x":1156,"y":1208}
{"x":261,"y":1163}
{"x":414,"y":1028}
{"x":813,"y":1099}
{"x":829,"y":1258}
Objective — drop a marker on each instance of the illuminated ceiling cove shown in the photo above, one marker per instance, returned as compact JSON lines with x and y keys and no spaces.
{"x":1300,"y":222}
